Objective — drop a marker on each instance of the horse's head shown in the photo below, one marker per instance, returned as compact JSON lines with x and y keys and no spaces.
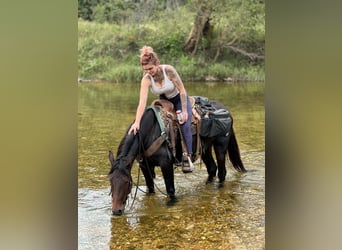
{"x":120,"y":181}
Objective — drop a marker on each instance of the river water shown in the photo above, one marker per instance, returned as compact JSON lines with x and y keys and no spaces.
{"x":204,"y":216}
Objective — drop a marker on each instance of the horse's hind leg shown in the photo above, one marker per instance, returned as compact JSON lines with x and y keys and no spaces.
{"x":209,"y":162}
{"x":149,"y":174}
{"x":220,"y":152}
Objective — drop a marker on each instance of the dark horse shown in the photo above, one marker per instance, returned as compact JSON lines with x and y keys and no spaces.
{"x":133,"y":147}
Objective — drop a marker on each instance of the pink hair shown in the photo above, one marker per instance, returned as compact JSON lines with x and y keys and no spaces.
{"x":148,"y":56}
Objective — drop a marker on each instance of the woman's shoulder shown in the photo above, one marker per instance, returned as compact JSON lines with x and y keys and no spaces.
{"x":166,"y":65}
{"x":146,"y":79}
{"x":168,"y":68}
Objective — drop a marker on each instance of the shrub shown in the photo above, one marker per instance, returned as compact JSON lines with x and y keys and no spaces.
{"x":124,"y":73}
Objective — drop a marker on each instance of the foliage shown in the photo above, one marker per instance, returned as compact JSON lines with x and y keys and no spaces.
{"x":111,"y":32}
{"x":85,"y":9}
{"x":114,"y":11}
{"x":238,"y":23}
{"x":123,"y":73}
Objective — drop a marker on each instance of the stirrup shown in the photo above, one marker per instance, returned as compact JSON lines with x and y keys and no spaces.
{"x":192,"y":167}
{"x":187,"y":165}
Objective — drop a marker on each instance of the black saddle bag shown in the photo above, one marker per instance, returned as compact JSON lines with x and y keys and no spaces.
{"x":215,"y":122}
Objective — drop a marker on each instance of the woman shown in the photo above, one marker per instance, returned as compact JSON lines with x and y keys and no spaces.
{"x":164,"y":81}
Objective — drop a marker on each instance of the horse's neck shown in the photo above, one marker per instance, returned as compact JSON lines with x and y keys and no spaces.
{"x":127,"y":162}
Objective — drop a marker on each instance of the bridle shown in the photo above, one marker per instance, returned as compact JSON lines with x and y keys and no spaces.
{"x":130,"y":183}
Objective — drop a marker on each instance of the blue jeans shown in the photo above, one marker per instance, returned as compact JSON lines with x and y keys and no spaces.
{"x":186,"y":126}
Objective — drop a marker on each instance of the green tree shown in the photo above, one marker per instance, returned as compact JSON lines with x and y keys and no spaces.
{"x":114,"y":11}
{"x":85,"y":9}
{"x":200,"y":28}
{"x":235,"y":26}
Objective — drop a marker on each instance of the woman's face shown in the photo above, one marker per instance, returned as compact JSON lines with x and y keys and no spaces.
{"x":150,"y":69}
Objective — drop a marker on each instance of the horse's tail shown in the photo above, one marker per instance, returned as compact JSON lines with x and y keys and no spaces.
{"x":234,"y":153}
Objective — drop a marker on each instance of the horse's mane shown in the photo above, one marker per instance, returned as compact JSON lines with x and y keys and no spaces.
{"x":123,"y":171}
{"x":121,"y":144}
{"x":123,"y":149}
{"x":117,"y":167}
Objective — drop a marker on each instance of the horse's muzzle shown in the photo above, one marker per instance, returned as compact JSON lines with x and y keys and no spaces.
{"x":117,"y":212}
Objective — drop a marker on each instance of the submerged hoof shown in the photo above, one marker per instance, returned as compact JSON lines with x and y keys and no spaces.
{"x":173,"y":200}
{"x":220,"y":185}
{"x":151,"y":191}
{"x":209,"y":180}
{"x":222,"y":181}
{"x":172,"y":196}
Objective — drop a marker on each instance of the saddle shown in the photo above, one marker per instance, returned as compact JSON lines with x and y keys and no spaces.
{"x":171,"y":129}
{"x":208,"y":120}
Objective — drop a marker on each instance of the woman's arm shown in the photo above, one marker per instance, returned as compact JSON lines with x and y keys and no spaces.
{"x":145,"y":84}
{"x":177,"y":81}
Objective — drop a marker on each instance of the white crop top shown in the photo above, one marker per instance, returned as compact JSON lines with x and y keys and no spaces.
{"x":168,"y":89}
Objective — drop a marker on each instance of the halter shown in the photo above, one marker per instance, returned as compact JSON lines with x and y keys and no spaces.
{"x":129,"y":183}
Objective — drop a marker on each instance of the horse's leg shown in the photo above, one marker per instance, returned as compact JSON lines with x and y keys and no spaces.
{"x":168,"y":174}
{"x":148,"y":172}
{"x":220,"y":148}
{"x":209,"y":162}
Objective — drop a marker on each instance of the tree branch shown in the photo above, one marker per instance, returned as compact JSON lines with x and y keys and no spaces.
{"x":251,"y":56}
{"x":219,"y":46}
{"x":232,"y":41}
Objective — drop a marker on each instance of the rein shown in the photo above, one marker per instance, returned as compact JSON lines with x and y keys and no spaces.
{"x":136,"y":189}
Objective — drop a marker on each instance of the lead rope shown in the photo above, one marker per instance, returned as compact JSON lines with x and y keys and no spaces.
{"x":136,"y":184}
{"x":137,"y":187}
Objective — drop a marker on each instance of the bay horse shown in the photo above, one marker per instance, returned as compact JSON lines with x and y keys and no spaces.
{"x":154,"y":130}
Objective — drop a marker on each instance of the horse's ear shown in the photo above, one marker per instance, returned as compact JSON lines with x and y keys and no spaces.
{"x":111,"y":157}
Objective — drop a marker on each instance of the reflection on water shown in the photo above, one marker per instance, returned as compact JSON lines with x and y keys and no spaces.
{"x":93,"y":210}
{"x":204,"y":216}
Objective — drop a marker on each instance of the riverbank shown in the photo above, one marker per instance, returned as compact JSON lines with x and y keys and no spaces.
{"x":212,"y":73}
{"x":115,"y":75}
{"x":208,"y":79}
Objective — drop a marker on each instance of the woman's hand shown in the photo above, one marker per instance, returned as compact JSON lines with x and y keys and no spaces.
{"x":184,"y":116}
{"x":134,"y":128}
